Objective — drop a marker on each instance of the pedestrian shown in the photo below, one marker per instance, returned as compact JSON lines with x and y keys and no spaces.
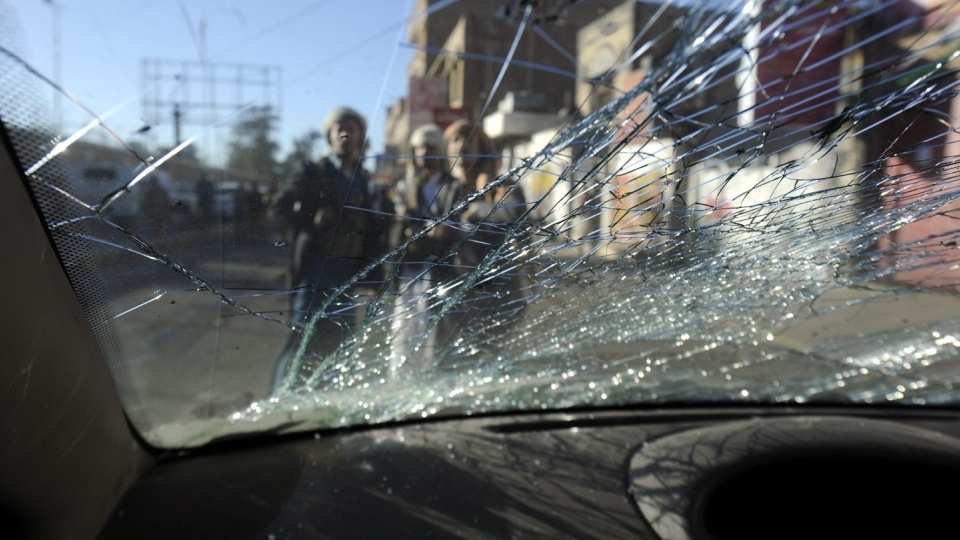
{"x":495,"y":295}
{"x":155,"y":202}
{"x":330,"y":222}
{"x":253,"y":201}
{"x":205,"y":197}
{"x":430,"y":195}
{"x":471,"y":154}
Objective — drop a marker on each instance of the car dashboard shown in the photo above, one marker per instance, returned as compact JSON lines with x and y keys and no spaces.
{"x":684,"y":473}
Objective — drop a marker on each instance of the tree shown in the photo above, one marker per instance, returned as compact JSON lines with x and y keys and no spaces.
{"x":303,"y":150}
{"x":252,"y":149}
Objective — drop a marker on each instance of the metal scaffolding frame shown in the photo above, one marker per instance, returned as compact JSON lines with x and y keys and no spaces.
{"x":205,"y":93}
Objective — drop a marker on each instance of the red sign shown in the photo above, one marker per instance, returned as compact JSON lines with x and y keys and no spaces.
{"x":798,"y":74}
{"x":426,"y":94}
{"x":444,"y":116}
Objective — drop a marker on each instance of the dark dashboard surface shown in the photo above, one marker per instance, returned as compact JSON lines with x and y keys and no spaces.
{"x":532,"y":476}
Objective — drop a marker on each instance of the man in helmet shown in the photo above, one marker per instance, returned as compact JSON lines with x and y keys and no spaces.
{"x":430,"y":195}
{"x":332,"y":225}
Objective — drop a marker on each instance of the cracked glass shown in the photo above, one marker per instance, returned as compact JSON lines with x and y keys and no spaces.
{"x":323,"y":214}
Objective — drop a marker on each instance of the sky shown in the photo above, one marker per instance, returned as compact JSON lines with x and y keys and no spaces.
{"x":330,"y":52}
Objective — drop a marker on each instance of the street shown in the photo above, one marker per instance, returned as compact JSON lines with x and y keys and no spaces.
{"x":181,"y":346}
{"x":189,"y":354}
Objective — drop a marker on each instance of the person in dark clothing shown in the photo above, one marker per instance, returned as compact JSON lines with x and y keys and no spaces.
{"x":330,"y":219}
{"x":496,"y":294}
{"x":155,"y":203}
{"x":471,"y":154}
{"x":205,"y":195}
{"x":430,"y":195}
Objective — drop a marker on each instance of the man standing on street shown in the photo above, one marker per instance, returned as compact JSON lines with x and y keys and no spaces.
{"x":430,"y":195}
{"x":329,"y":220}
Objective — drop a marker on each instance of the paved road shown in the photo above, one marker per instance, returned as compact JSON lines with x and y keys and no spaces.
{"x":189,"y":355}
{"x":186,"y":353}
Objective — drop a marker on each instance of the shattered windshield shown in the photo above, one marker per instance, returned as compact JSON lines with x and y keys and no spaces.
{"x":302,"y":215}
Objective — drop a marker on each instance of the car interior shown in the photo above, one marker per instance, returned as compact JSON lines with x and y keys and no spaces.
{"x":73,"y":467}
{"x":819,"y":459}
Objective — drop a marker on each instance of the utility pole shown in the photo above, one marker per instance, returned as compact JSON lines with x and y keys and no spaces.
{"x":57,"y":53}
{"x":176,"y":125}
